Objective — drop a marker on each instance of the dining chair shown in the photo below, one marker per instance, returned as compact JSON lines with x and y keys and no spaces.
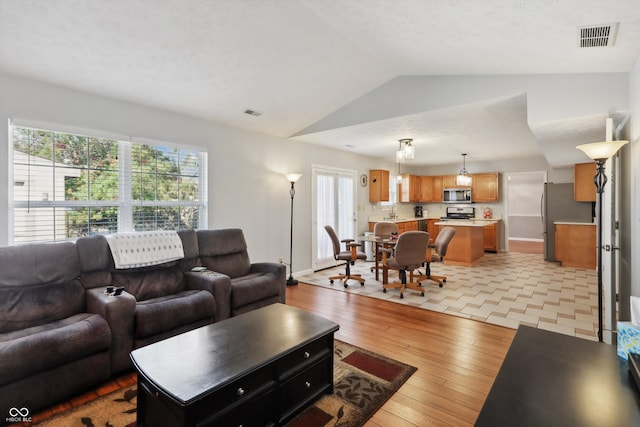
{"x":436,"y":253}
{"x":383,"y":230}
{"x":351,"y":254}
{"x":409,"y":254}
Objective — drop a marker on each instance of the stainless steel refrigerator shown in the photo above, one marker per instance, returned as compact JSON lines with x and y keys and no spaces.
{"x":558,"y":204}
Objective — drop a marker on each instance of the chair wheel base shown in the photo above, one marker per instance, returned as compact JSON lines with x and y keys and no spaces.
{"x":440,"y":285}
{"x":346,"y":286}
{"x":401,"y":296}
{"x":362,"y":283}
{"x":384,"y":290}
{"x":331,"y":281}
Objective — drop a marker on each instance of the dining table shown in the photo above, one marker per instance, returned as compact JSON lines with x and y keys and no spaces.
{"x":380,"y":242}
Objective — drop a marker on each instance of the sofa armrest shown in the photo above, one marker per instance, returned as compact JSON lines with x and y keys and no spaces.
{"x":278,"y":270}
{"x":218,"y":284}
{"x":119,"y":312}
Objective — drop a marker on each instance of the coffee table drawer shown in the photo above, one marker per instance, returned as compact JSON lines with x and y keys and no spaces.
{"x":307,"y":385}
{"x":305,"y":354}
{"x":258,"y":410}
{"x":240,"y":389}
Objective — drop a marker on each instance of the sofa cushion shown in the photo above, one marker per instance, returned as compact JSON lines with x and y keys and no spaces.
{"x":32,"y":305}
{"x":224,"y":251}
{"x":253,"y":287}
{"x":161,"y":314}
{"x":149,"y":284}
{"x":34,"y":350}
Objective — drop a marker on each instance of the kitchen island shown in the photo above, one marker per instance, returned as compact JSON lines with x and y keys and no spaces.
{"x":467,"y":246}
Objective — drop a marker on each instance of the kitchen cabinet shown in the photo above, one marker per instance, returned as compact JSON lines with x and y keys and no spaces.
{"x":409,"y":188}
{"x":492,"y":237}
{"x":576,"y":244}
{"x":407,"y":226}
{"x":584,"y":190}
{"x":432,"y":228}
{"x":485,"y":187}
{"x":430,"y":189}
{"x":449,"y":181}
{"x":378,"y":185}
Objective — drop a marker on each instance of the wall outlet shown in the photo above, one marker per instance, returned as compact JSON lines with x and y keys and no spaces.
{"x":280,"y":260}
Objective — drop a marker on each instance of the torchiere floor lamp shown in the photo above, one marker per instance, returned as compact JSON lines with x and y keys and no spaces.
{"x":292,"y":177}
{"x":600,"y":152}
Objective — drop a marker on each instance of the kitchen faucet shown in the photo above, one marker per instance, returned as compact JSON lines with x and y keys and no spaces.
{"x":393,"y":214}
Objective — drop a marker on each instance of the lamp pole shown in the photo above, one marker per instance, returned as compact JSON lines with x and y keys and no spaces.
{"x":292,"y":177}
{"x":599,"y":180}
{"x":600,"y":152}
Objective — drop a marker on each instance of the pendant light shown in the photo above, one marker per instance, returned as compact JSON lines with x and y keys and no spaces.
{"x":463,"y":178}
{"x":405,"y":150}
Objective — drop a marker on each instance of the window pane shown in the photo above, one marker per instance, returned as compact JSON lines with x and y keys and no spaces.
{"x":143,"y":158}
{"x":87,"y":221}
{"x":104,"y":185}
{"x":189,"y":188}
{"x":71,"y":150}
{"x":168,"y":187}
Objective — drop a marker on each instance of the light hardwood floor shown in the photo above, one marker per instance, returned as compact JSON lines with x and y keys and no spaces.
{"x":457,"y":359}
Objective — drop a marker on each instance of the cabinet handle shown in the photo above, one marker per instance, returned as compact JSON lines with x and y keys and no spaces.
{"x":240,"y":392}
{"x":306,"y":355}
{"x":307,"y":384}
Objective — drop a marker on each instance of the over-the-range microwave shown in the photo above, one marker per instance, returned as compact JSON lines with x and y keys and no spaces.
{"x":456,"y":195}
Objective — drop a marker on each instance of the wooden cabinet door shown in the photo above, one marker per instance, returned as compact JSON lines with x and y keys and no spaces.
{"x":433,"y":229}
{"x":584,"y":190}
{"x":485,"y":187}
{"x":378,"y":185}
{"x":430,"y":189}
{"x":449,"y":181}
{"x":491,"y":238}
{"x":409,"y":188}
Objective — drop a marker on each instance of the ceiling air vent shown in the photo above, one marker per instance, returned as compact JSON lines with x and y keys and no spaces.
{"x":253,"y":112}
{"x":598,"y":35}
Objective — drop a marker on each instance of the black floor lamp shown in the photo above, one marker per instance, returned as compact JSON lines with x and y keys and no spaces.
{"x":292,"y":177}
{"x":600,"y":152}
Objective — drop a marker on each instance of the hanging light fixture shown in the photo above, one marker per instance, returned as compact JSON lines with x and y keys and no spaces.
{"x":463,"y":177}
{"x":407,"y":148}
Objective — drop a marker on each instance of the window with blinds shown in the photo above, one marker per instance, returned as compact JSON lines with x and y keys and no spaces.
{"x":66,"y":186}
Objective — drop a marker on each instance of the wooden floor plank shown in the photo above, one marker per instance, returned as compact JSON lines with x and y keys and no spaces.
{"x":457,"y":359}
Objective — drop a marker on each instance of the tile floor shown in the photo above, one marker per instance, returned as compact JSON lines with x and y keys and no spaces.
{"x":505,"y":289}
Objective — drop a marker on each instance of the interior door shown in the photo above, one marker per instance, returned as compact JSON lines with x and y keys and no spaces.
{"x":334,"y":204}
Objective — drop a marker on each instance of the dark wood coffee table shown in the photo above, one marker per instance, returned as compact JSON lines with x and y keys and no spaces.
{"x":259,"y":368}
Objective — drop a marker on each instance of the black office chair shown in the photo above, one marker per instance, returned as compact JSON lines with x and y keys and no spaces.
{"x":350,"y":255}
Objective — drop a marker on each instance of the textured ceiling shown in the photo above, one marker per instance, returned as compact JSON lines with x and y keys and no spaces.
{"x":298,"y":61}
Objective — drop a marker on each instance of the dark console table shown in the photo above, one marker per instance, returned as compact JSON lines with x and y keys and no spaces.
{"x":548,"y":379}
{"x":259,"y":368}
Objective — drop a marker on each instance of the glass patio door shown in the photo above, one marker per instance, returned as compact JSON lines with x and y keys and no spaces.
{"x":334,"y":204}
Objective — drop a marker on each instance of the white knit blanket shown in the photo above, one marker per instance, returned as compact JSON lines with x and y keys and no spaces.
{"x":130,"y":250}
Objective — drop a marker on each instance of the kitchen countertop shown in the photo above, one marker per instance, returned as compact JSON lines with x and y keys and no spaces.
{"x":467,"y":223}
{"x":574,"y":223}
{"x":407,"y":219}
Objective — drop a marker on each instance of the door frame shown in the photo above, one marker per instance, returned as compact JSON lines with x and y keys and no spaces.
{"x":314,"y":200}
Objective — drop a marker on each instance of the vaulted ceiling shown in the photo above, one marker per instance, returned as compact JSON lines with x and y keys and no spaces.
{"x":306,"y":65}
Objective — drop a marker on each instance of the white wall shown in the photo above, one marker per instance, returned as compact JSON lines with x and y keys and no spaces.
{"x":247,"y":188}
{"x":634,"y":152}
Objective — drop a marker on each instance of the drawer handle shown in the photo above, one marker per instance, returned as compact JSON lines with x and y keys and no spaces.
{"x":240,"y":392}
{"x":306,"y":355}
{"x":307,"y":384}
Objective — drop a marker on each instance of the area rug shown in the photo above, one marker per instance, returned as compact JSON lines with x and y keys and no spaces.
{"x":363,"y":382}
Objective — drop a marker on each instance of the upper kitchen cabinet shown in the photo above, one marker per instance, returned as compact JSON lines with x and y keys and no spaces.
{"x":378,"y":185}
{"x":430,"y":189}
{"x":410,"y":188}
{"x":449,"y":181}
{"x":584,"y":190}
{"x":485,"y":187}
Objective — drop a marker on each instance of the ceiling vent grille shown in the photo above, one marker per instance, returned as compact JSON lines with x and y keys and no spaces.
{"x":597,"y":36}
{"x":252,"y":112}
